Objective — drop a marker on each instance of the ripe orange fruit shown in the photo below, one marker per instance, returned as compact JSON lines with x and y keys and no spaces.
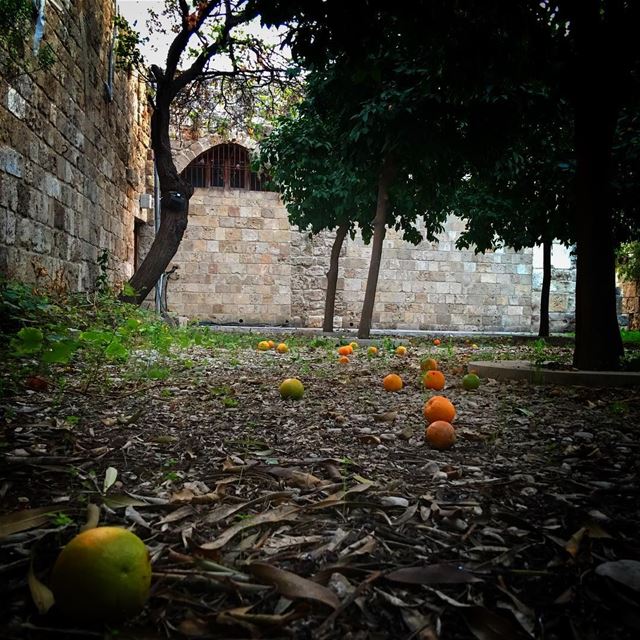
{"x":470,"y":381}
{"x":263,"y":345}
{"x":439,"y":408}
{"x":372,"y":351}
{"x":392,"y":382}
{"x":271,"y":344}
{"x":434,"y":380}
{"x":345,"y":350}
{"x":437,"y":342}
{"x":343,"y":360}
{"x":401,"y":351}
{"x":292,"y":388}
{"x":102,"y":574}
{"x":282,"y":348}
{"x":440,"y":434}
{"x":428,"y":364}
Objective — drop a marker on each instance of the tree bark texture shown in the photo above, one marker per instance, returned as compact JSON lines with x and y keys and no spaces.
{"x":332,"y":278}
{"x":379,"y":230}
{"x":173,"y":222}
{"x":598,"y":344}
{"x":543,"y":331}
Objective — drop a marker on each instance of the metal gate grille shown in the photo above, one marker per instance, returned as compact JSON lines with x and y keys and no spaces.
{"x":225,"y":165}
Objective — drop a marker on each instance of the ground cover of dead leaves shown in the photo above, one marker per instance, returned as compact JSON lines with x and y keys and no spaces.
{"x":331,"y":517}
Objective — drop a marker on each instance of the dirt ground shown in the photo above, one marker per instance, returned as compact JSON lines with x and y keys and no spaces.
{"x":331,"y":517}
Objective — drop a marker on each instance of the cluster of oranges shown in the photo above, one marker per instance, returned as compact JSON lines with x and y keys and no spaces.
{"x":439,"y":412}
{"x":347,"y":350}
{"x":432,"y":377}
{"x":265,"y":345}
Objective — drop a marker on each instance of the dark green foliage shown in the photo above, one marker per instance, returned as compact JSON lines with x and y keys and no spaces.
{"x":628,"y":261}
{"x":16,"y":26}
{"x":306,"y":158}
{"x":15,"y":23}
{"x":127,"y":45}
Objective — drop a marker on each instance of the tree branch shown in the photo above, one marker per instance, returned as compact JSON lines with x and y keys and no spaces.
{"x":197,"y":68}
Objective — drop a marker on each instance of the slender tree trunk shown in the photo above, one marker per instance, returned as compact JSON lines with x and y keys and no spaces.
{"x":598,"y":343}
{"x":173,"y":219}
{"x":379,"y":230}
{"x":543,"y":331}
{"x":332,"y":278}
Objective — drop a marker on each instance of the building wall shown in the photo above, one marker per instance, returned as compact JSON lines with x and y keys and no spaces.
{"x":234,"y":262}
{"x":430,"y":286}
{"x":72,"y":163}
{"x":562,"y":303}
{"x":630,"y":303}
{"x":241,"y":262}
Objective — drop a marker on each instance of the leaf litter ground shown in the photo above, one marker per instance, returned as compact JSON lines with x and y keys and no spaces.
{"x":331,"y":517}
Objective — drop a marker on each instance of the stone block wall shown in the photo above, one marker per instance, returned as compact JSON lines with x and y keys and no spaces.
{"x":562,"y":304}
{"x":72,"y":163}
{"x":241,"y":262}
{"x":430,"y":286}
{"x":631,"y":303}
{"x":234,"y":262}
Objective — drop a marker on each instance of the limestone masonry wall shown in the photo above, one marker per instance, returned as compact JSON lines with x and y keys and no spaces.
{"x":562,"y":305}
{"x":72,"y":163}
{"x":430,"y":286}
{"x":234,"y":260}
{"x":241,"y":262}
{"x":631,"y":303}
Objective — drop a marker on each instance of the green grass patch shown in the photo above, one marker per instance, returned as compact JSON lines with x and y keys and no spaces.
{"x":630,"y":337}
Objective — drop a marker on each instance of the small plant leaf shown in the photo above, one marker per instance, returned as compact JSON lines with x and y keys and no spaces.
{"x":96,"y":337}
{"x":110,"y":476}
{"x":116,"y":351}
{"x":60,"y":352}
{"x":29,"y":340}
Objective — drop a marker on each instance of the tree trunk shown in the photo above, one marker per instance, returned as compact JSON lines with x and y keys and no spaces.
{"x":379,"y":230}
{"x":332,"y":278}
{"x":173,"y":219}
{"x":543,"y":331}
{"x":598,"y":343}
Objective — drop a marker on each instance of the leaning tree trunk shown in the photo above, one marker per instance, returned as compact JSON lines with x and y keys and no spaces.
{"x":543,"y":331}
{"x":332,"y":278}
{"x":598,"y":343}
{"x":379,"y":229}
{"x":175,"y":192}
{"x":173,"y":217}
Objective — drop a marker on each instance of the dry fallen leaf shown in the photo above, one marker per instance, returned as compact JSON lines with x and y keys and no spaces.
{"x":42,"y":596}
{"x":293,"y":586}
{"x":93,"y":517}
{"x":278,"y":514}
{"x":388,"y":416}
{"x":626,"y":572}
{"x":433,"y":574}
{"x":28,"y":519}
{"x":406,"y":433}
{"x":486,"y":625}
